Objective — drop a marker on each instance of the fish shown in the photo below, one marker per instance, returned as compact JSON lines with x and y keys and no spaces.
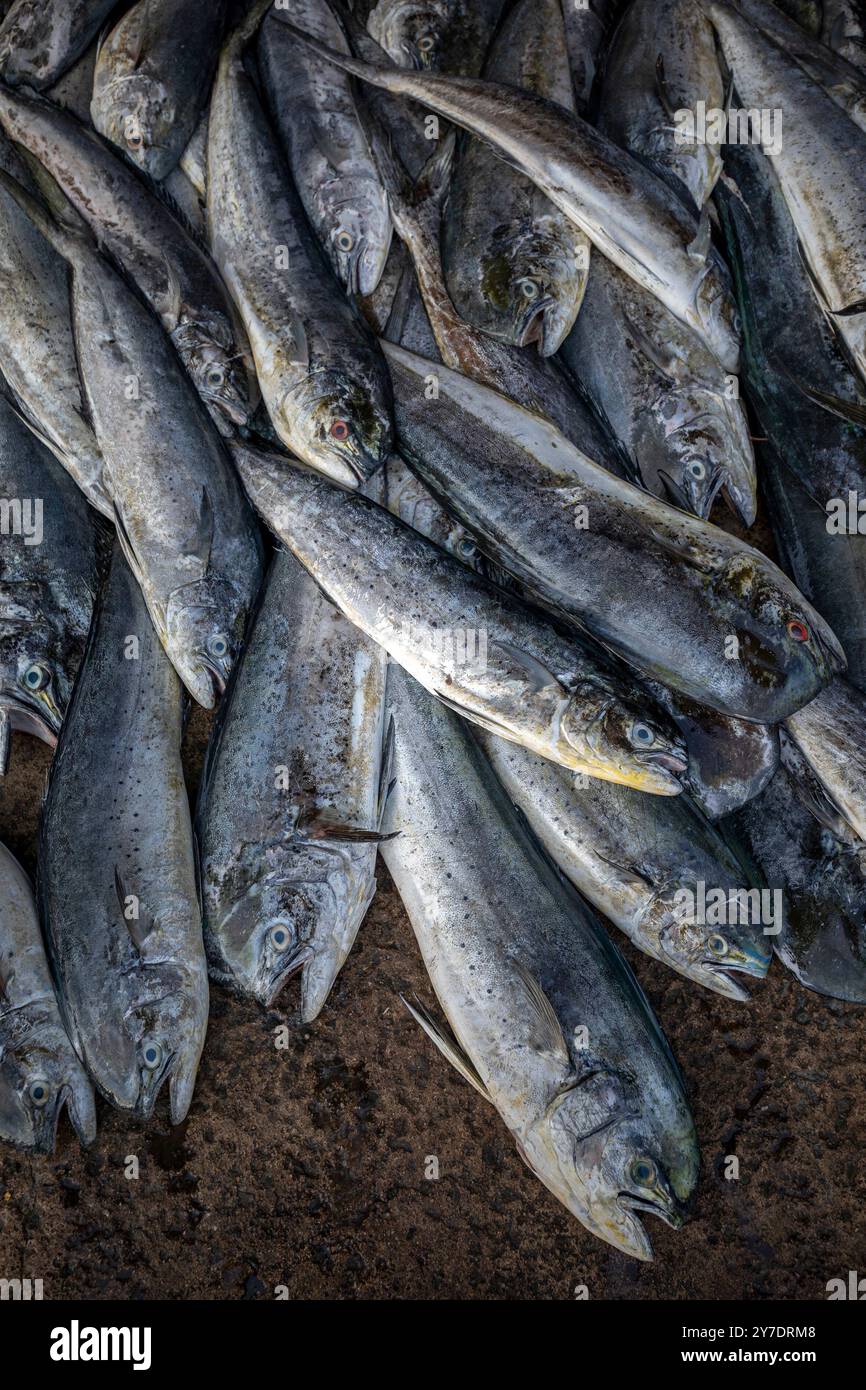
{"x":664,"y":591}
{"x":321,"y":373}
{"x":822,"y":880}
{"x":191,"y":540}
{"x":291,"y":797}
{"x":473,"y":645}
{"x":829,"y":734}
{"x":808,"y":401}
{"x":544,"y":1018}
{"x":843,"y":28}
{"x":586,"y":27}
{"x":661,"y":62}
{"x":193,"y":161}
{"x":799,"y":34}
{"x":37,"y":345}
{"x":516,"y":265}
{"x":813,"y":158}
{"x":134,"y":223}
{"x":51,"y":561}
{"x":446,"y":35}
{"x":730,"y":760}
{"x":428,"y":323}
{"x":639,"y":860}
{"x":628,"y":214}
{"x":41,"y":39}
{"x":40,"y":1075}
{"x":153,"y":76}
{"x":313,"y":110}
{"x":116,"y":884}
{"x":677,"y":416}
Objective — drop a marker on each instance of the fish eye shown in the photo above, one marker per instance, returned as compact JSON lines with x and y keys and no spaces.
{"x":643,"y":1172}
{"x":798,"y":630}
{"x":425,"y":43}
{"x":642,"y":735}
{"x":340,"y":431}
{"x":152,"y":1055}
{"x":466,"y":547}
{"x":528,"y":288}
{"x":280,"y":937}
{"x":36,"y":677}
{"x":134,"y":140}
{"x":718,"y":945}
{"x":39,"y":1093}
{"x":697,"y":470}
{"x":345,"y":241}
{"x":215,"y":377}
{"x":219,"y":645}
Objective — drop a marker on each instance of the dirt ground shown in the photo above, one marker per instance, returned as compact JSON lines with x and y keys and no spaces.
{"x":302,"y":1171}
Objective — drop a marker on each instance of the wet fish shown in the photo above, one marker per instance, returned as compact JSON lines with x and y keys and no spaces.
{"x":41,"y":39}
{"x":544,"y":1018}
{"x":640,"y":861}
{"x":153,"y":77}
{"x":627,"y":213}
{"x":321,"y":373}
{"x":50,"y":563}
{"x":662,"y":589}
{"x":117,"y":886}
{"x":676,"y":414}
{"x":142,"y":233}
{"x":662,"y":60}
{"x":516,"y":265}
{"x":290,"y":803}
{"x":39,"y":1071}
{"x":829,"y":733}
{"x":807,"y":400}
{"x":313,"y":109}
{"x":186,"y":531}
{"x":448,"y":35}
{"x":37,"y":345}
{"x":822,"y":882}
{"x":472,"y":644}
{"x":813,"y":158}
{"x":586,"y":28}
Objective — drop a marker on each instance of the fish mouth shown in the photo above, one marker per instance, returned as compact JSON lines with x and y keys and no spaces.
{"x":680,"y":498}
{"x":720,"y":979}
{"x":743,"y":505}
{"x":534,"y":327}
{"x":268,"y":992}
{"x":234,"y":411}
{"x":669,"y":765}
{"x":673,"y":1217}
{"x":43,"y":721}
{"x":218,"y":679}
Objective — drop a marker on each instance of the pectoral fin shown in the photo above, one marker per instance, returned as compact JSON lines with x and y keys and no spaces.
{"x":545,"y":1027}
{"x":541,"y":677}
{"x":442,"y":1037}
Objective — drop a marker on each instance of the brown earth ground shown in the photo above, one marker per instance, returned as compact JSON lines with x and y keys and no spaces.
{"x":304,"y":1169}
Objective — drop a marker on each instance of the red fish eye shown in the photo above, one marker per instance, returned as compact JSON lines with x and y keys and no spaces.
{"x":798,"y":631}
{"x":340,"y":430}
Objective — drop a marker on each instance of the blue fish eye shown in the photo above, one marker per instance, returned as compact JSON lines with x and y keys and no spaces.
{"x":643,"y":1172}
{"x":219,"y":645}
{"x":39,"y":1093}
{"x":697,"y":470}
{"x":280,"y":937}
{"x":36,"y":677}
{"x":642,"y":733}
{"x":152,"y":1056}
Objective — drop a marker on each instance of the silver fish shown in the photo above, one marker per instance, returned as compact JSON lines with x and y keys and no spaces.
{"x":586,"y":27}
{"x":153,"y":76}
{"x":640,"y":861}
{"x":631,"y":216}
{"x":39,"y":1071}
{"x":321,"y":373}
{"x":473,"y":645}
{"x":41,"y":39}
{"x":290,"y":801}
{"x":142,"y":233}
{"x":50,"y":564}
{"x":664,"y":590}
{"x":545,"y":1019}
{"x":185,"y":528}
{"x":118,"y":895}
{"x":676,"y":414}
{"x":313,"y":109}
{"x":829,"y":733}
{"x":515,"y":265}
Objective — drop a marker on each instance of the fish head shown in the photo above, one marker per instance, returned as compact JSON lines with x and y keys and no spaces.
{"x":137,"y":114}
{"x":299,"y":918}
{"x":37,"y":1080}
{"x":206,"y":345}
{"x":696,"y":446}
{"x":715,"y":956}
{"x":622,"y":741}
{"x":411,"y":31}
{"x":204,"y":629}
{"x":167,"y":1028}
{"x":715,"y":315}
{"x":38,"y":661}
{"x":531,"y":285}
{"x":345,"y":425}
{"x":784,"y":647}
{"x":360,"y":231}
{"x":611,"y":1156}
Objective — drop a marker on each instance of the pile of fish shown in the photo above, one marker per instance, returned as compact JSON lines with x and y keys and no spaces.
{"x":375,"y":376}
